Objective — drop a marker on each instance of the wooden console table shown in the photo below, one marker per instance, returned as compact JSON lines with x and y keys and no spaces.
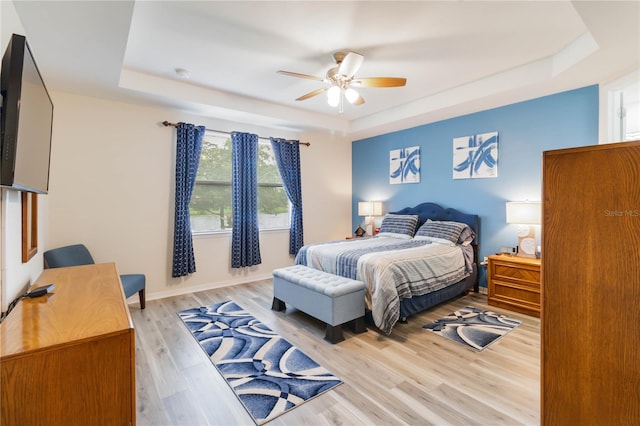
{"x":68,"y":358}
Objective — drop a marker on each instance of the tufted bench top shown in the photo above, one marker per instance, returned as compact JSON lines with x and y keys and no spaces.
{"x":319,"y":281}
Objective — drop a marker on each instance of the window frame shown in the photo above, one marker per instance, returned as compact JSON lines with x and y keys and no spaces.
{"x":226,"y":136}
{"x":613,"y":107}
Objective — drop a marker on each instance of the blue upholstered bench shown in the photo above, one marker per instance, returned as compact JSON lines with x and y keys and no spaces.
{"x":330,"y":298}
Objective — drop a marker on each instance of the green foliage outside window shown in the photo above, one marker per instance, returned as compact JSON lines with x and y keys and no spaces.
{"x":210,"y":206}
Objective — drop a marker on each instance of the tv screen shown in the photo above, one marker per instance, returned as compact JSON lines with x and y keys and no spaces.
{"x":27,"y":117}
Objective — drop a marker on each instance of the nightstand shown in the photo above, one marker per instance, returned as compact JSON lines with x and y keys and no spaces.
{"x":514,"y":283}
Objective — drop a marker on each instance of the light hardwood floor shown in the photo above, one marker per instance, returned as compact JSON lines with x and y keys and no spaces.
{"x":411,"y":377}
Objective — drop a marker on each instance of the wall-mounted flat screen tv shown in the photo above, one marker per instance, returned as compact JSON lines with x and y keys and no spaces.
{"x":26,"y":119}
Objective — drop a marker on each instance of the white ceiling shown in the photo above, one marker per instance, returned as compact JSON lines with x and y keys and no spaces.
{"x":458,"y":56}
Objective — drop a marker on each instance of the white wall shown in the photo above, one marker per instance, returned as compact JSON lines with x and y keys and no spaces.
{"x":111,"y":188}
{"x":17,"y":276}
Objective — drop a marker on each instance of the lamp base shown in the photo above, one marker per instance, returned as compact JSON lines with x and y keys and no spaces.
{"x":370,"y":225}
{"x":527,"y":242}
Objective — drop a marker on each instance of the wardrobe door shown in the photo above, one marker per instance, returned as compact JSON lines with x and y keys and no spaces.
{"x":590,"y":327}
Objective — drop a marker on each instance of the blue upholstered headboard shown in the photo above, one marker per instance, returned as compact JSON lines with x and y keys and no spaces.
{"x":435,"y":212}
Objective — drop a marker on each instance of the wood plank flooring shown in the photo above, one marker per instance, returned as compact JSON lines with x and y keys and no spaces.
{"x":411,"y":377}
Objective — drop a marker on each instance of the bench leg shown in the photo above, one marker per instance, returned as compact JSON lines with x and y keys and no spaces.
{"x":358,"y":325}
{"x":278,"y":305}
{"x":334,"y":333}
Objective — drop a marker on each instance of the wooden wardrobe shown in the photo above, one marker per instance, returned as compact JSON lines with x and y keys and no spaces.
{"x":590,"y":326}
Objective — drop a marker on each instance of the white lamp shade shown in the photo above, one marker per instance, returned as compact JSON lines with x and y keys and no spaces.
{"x":369,"y":208}
{"x":351,"y":95}
{"x":524,"y":212}
{"x":333,"y":96}
{"x":377,"y":208}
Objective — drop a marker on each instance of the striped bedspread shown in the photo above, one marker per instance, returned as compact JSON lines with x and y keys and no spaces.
{"x":391,"y":268}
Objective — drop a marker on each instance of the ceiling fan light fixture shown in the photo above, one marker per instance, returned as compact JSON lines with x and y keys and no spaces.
{"x":351,"y":95}
{"x":333,"y":96}
{"x":342,"y":77}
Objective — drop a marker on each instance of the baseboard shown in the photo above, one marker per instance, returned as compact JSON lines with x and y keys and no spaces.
{"x":194,"y":289}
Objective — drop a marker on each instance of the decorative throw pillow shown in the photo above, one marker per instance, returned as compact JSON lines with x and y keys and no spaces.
{"x":445,"y":232}
{"x":398,"y":226}
{"x":466,"y":236}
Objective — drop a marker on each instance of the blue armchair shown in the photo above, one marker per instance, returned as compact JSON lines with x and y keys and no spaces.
{"x":78,"y":254}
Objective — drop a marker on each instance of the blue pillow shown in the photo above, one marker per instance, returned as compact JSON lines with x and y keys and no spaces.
{"x":399,"y":226}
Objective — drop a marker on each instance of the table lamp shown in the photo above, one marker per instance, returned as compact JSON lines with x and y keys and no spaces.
{"x":525,"y":213}
{"x":369,"y":209}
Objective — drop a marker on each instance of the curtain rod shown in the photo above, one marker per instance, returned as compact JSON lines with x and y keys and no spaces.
{"x":167,"y":123}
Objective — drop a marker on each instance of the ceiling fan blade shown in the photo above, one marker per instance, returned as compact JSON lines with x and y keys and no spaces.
{"x":311,"y":94}
{"x":296,"y":74}
{"x":351,"y":64}
{"x":358,"y":101}
{"x":379,"y":82}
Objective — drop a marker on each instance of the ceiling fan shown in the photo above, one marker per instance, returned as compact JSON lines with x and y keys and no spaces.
{"x":342,"y":81}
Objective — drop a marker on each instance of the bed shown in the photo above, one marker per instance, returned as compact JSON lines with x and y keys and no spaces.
{"x":406,"y":271}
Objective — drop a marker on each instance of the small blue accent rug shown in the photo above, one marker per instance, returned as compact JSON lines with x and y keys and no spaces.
{"x":268,"y":374}
{"x":473,"y":327}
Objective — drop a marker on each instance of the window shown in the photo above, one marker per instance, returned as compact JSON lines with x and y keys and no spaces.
{"x":624,"y":109}
{"x":210,"y":206}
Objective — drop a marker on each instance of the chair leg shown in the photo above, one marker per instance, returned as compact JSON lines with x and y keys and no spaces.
{"x":142,"y":298}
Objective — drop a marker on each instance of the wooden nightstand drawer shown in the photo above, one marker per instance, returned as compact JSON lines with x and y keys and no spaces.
{"x":508,"y":293}
{"x":526,"y":275}
{"x":514,"y":283}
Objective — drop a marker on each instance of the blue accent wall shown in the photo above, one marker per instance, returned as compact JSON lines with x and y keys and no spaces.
{"x":525,"y":130}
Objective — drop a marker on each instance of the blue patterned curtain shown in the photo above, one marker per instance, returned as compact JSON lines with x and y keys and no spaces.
{"x":188,"y":149}
{"x":287,"y":156}
{"x":245,"y":235}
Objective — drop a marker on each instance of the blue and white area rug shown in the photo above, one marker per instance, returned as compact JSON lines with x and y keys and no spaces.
{"x":268,"y":374}
{"x":473,"y":327}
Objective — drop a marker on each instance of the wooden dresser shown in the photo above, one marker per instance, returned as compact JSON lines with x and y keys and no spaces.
{"x":514,"y":283}
{"x":67,"y":358}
